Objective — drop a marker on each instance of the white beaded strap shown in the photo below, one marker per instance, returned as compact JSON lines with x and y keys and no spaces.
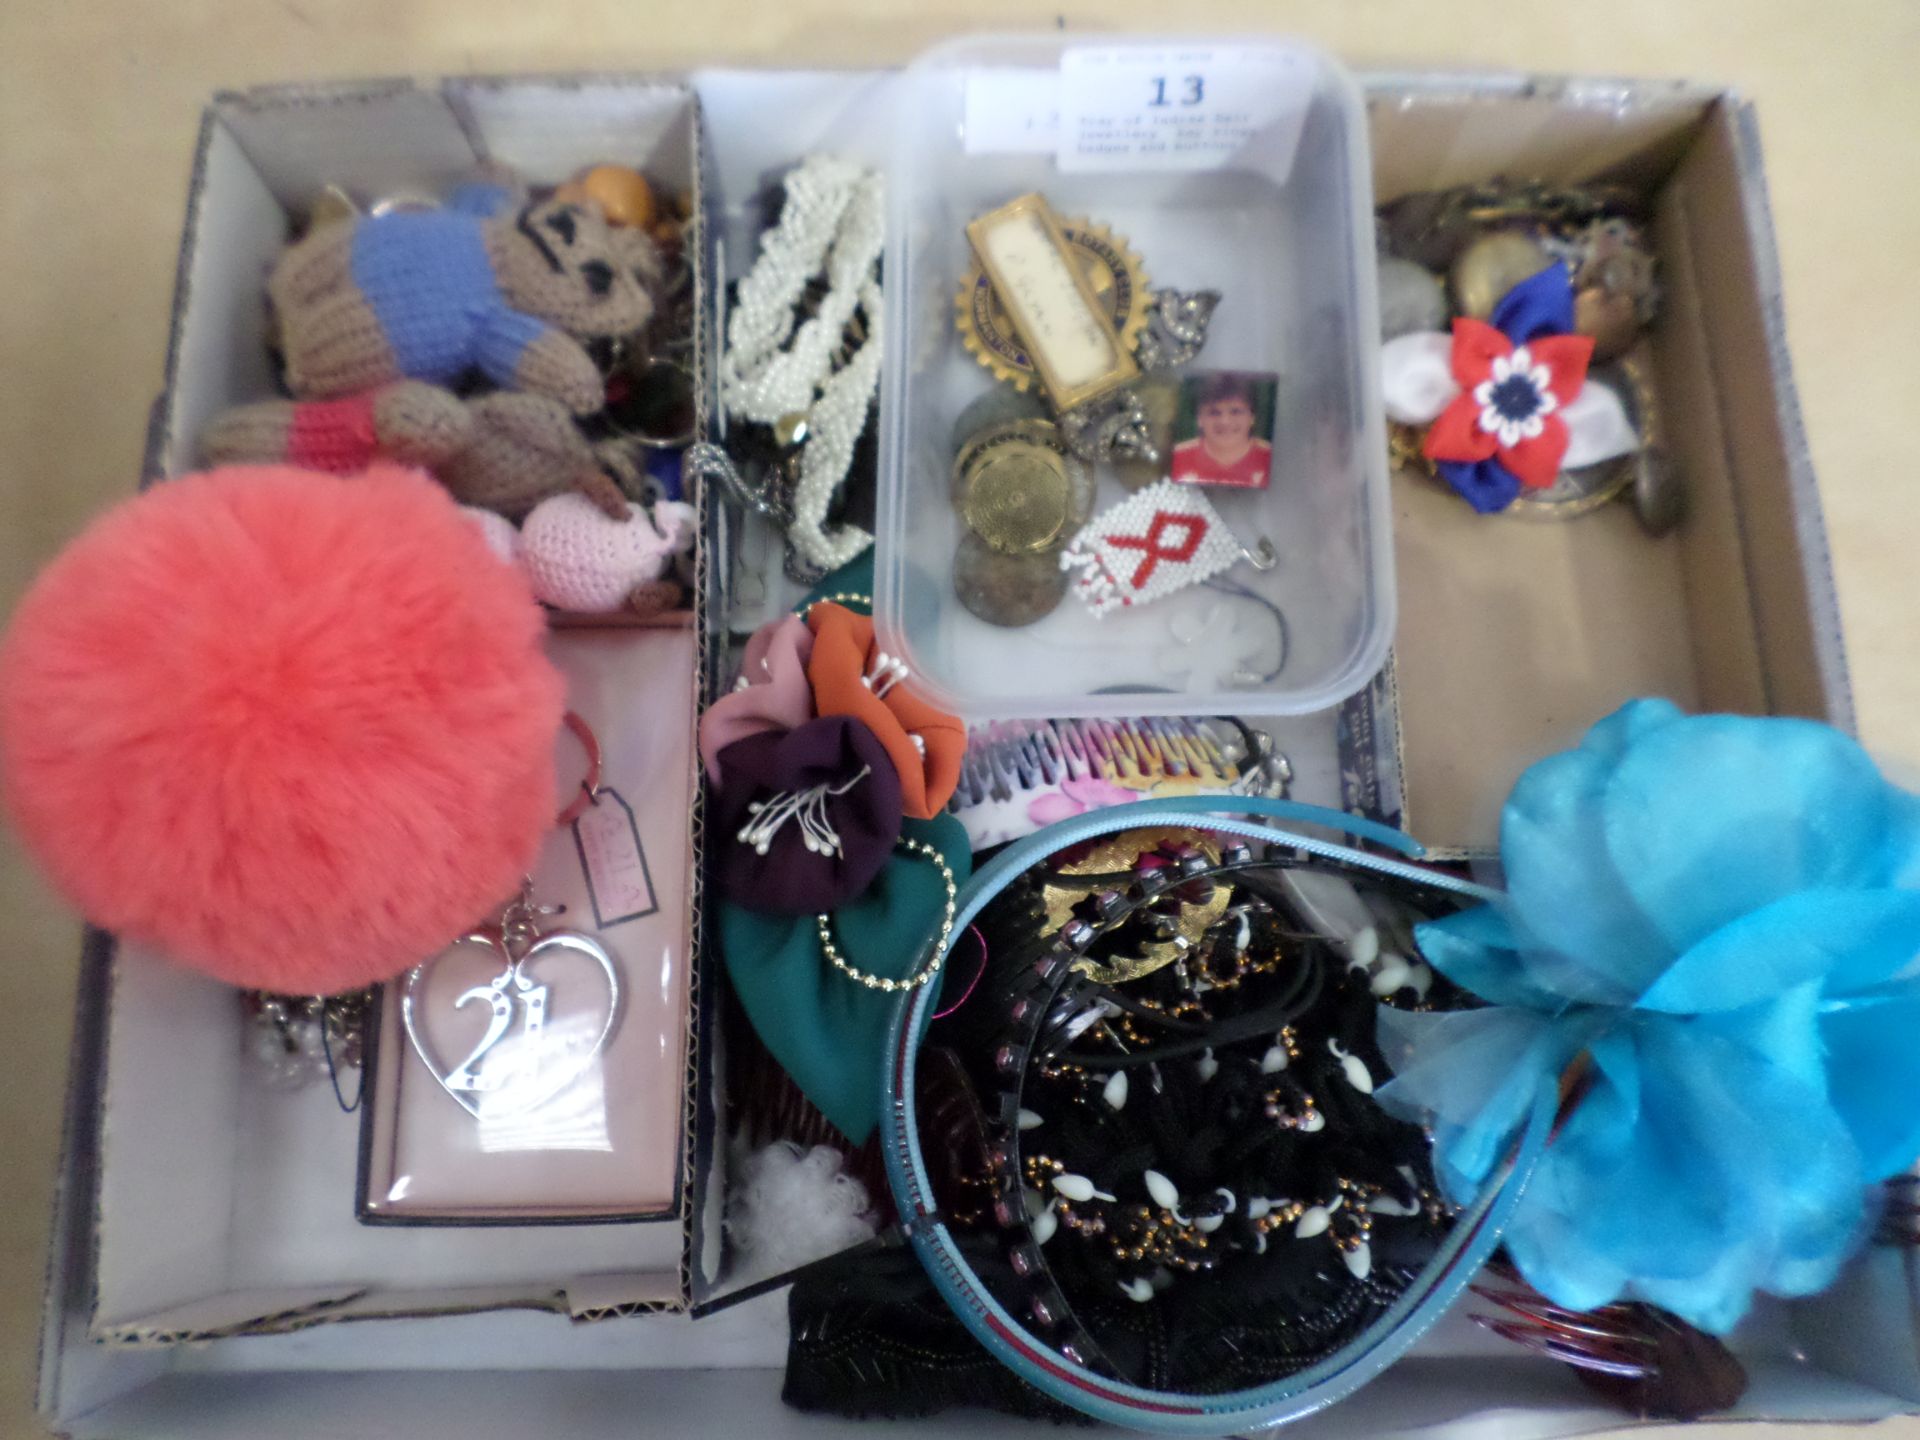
{"x":833,"y":432}
{"x":832,"y":224}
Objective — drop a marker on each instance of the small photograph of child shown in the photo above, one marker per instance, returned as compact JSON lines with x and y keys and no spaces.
{"x":1223,"y":430}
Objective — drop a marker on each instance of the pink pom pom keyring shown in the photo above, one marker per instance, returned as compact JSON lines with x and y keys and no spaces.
{"x":293,"y":730}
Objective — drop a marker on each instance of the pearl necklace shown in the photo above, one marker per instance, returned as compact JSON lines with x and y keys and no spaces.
{"x":832,"y":224}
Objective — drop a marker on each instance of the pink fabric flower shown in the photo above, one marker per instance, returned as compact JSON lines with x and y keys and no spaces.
{"x":772,"y":692}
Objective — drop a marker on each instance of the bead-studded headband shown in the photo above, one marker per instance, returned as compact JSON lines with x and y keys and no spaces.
{"x":1025,"y":1319}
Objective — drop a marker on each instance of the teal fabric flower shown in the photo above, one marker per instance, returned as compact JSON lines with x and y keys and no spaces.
{"x":1723,"y":915}
{"x":827,"y":1031}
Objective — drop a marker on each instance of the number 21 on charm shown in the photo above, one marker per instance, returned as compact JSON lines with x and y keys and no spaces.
{"x":502,"y":993}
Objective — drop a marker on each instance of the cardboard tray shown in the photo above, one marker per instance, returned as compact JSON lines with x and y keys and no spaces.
{"x":1736,"y":611}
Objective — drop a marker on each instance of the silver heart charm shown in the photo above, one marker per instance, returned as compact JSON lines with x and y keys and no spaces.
{"x":513,"y":996}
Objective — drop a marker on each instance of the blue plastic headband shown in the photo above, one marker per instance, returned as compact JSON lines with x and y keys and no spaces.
{"x":1475,"y":1233}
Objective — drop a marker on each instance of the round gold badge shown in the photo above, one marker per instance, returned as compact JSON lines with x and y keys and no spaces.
{"x":1019,"y":489}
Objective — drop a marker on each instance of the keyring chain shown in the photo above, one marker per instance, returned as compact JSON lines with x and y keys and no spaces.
{"x":932,"y":967}
{"x":590,"y":783}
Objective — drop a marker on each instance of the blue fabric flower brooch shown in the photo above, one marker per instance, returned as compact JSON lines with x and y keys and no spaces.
{"x":1711,"y":932}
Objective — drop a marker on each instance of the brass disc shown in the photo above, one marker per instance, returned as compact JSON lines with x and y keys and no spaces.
{"x":1017,"y":499}
{"x":1019,"y":489}
{"x":1006,"y":590}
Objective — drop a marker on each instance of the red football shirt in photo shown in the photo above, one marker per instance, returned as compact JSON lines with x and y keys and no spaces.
{"x":1192,"y":465}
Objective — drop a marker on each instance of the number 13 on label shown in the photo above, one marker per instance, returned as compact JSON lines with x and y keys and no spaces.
{"x":1192,"y":90}
{"x":1182,"y":106}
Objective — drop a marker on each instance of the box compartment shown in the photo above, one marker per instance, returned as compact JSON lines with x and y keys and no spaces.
{"x":208,"y":1221}
{"x":1282,"y":231}
{"x":1516,"y":635}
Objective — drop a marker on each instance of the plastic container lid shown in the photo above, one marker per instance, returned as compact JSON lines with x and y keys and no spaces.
{"x":1237,"y":165}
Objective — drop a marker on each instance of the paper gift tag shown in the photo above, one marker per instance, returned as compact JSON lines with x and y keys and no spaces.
{"x":614,"y":861}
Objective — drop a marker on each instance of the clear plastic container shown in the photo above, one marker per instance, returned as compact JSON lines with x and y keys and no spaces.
{"x":1282,"y":227}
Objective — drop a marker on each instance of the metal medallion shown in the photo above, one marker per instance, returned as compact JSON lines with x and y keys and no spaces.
{"x":1659,"y":488}
{"x":1659,"y":499}
{"x":1610,"y":319}
{"x":1493,"y":265}
{"x":1119,"y":281}
{"x":1019,"y":489}
{"x":1575,"y":492}
{"x":1001,"y":405}
{"x":1017,"y":498}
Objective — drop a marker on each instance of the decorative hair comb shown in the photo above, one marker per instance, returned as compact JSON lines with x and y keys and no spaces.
{"x":1646,"y":1360}
{"x":1020,"y":776}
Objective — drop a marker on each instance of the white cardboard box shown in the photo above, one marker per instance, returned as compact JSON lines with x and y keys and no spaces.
{"x":151,"y":1234}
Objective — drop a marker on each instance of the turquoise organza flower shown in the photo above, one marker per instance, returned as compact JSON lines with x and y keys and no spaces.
{"x":1723,"y":915}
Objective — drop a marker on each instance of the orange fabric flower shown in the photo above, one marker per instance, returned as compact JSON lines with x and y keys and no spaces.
{"x":851,"y":675}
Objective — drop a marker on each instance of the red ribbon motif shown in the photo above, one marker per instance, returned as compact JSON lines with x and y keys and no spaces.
{"x":1163,"y":520}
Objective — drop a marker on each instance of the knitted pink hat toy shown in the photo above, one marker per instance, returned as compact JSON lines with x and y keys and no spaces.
{"x":294,"y":730}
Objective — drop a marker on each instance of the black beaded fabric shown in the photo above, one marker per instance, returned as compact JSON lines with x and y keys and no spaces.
{"x":1196,"y":1190}
{"x":1299,"y":1210}
{"x":871,"y":1338}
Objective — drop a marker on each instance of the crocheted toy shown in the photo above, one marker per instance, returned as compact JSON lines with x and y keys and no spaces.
{"x":408,"y":421}
{"x":490,"y":283}
{"x":501,"y":534}
{"x":506,"y":452}
{"x":524,"y":450}
{"x":579,"y":559}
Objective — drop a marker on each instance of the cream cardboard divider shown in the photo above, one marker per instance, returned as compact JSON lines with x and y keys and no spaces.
{"x":180,"y":1216}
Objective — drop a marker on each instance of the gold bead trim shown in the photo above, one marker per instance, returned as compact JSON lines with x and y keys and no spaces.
{"x":932,"y":967}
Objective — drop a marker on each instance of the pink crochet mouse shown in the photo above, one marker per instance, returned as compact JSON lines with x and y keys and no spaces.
{"x":580,"y":559}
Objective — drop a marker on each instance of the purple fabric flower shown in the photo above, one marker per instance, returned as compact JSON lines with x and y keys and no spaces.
{"x":805,"y":819}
